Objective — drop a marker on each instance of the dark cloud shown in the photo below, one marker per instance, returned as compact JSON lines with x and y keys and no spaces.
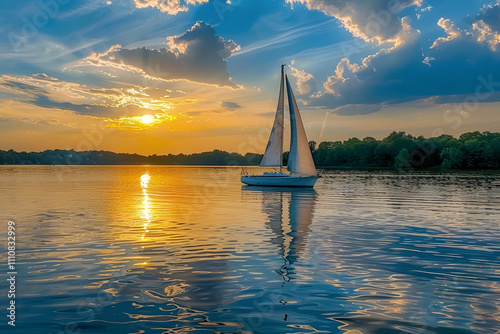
{"x":23,"y":88}
{"x":198,"y":55}
{"x":90,"y":109}
{"x":84,"y":109}
{"x":45,"y":77}
{"x":230,"y":105}
{"x":489,"y":14}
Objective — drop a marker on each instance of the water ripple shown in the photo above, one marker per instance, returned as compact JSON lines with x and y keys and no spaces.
{"x":196,"y":252}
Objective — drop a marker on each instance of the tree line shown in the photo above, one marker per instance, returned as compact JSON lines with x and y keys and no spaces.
{"x":71,"y":157}
{"x":472,"y":150}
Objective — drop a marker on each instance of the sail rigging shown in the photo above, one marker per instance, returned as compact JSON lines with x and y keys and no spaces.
{"x":273,"y":157}
{"x":300,"y":159}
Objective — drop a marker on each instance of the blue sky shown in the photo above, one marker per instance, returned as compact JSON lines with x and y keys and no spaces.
{"x":208,"y":71}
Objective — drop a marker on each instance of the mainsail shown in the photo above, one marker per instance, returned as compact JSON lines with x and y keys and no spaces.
{"x":300,"y":160}
{"x":273,"y":157}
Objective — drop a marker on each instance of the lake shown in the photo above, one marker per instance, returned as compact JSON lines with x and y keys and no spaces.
{"x":191,"y":250}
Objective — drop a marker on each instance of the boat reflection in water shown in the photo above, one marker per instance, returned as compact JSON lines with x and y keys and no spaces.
{"x":289,"y":214}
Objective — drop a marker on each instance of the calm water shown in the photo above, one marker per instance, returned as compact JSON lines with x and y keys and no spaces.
{"x":192,"y":251}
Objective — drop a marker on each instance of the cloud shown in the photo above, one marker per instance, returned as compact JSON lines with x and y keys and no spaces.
{"x":122,"y":107}
{"x":427,"y":60}
{"x":485,"y":28}
{"x":306,"y":84}
{"x":229,"y":105}
{"x":401,"y":70}
{"x":19,"y":116}
{"x":374,"y":20}
{"x":172,"y":7}
{"x":451,"y":30}
{"x":486,"y":34}
{"x":375,"y":78}
{"x":47,"y":92}
{"x":490,"y":15}
{"x":10,"y":82}
{"x":198,"y":55}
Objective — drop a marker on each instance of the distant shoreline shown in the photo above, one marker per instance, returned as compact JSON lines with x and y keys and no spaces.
{"x":398,"y":151}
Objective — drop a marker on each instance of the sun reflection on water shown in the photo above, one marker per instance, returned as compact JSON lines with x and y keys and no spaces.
{"x":144,"y":184}
{"x":145,"y":180}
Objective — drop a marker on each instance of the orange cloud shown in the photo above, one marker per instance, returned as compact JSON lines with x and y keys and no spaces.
{"x":451,"y":30}
{"x":486,"y":34}
{"x":172,"y":7}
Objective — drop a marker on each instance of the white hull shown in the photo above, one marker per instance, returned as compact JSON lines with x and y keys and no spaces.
{"x":279,"y":180}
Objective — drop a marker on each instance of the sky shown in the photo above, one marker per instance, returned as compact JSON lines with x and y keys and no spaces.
{"x":185,"y":76}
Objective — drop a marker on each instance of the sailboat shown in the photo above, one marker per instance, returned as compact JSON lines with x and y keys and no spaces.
{"x":300,"y":162}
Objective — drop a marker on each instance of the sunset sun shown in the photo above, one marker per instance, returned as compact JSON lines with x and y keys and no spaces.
{"x":147,"y":119}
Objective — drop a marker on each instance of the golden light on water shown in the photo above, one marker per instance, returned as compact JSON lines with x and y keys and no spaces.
{"x":146,"y":209}
{"x":145,"y":179}
{"x":144,"y":184}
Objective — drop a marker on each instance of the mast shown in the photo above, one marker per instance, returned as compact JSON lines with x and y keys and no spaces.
{"x":282,"y":98}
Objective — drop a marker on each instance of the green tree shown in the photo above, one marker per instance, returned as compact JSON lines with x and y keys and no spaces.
{"x":477,"y":154}
{"x":495,"y":148}
{"x":402,"y":160}
{"x":383,"y":155}
{"x":369,"y":140}
{"x":329,"y":145}
{"x":470,"y":136}
{"x":453,"y":157}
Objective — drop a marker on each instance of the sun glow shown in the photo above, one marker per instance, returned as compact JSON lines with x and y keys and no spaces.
{"x":139,"y":123}
{"x":147,"y":119}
